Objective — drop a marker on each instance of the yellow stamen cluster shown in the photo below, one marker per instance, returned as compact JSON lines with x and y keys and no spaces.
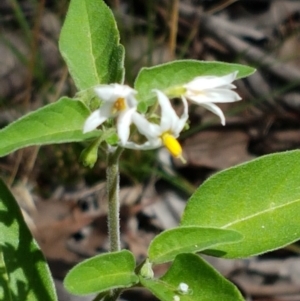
{"x":119,"y":105}
{"x":172,"y":145}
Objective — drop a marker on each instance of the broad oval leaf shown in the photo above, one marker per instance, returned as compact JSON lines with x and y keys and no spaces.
{"x":204,"y":283}
{"x":102,"y":273}
{"x":89,"y":43}
{"x":24,"y":274}
{"x":167,"y":245}
{"x":259,"y":199}
{"x":165,"y":76}
{"x":58,"y":122}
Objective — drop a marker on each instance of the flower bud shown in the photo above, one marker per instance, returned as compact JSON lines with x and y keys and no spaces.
{"x":146,"y":270}
{"x":89,"y":155}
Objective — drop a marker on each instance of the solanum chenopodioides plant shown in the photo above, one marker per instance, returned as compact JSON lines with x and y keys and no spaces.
{"x":243,"y":211}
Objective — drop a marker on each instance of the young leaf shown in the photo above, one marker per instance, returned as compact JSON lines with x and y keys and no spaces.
{"x":89,"y":43}
{"x":58,"y":122}
{"x":167,"y":245}
{"x":102,"y":273}
{"x":204,"y":283}
{"x":24,"y":274}
{"x":259,"y":199}
{"x":166,"y":76}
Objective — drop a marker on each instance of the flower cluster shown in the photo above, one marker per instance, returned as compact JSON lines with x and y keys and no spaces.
{"x":119,"y":101}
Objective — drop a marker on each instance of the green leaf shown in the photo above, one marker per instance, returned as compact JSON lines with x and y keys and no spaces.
{"x":165,"y":76}
{"x":59,"y":122}
{"x":204,"y":283}
{"x":259,"y":199}
{"x":167,"y":245}
{"x":102,"y":273}
{"x":4,"y":279}
{"x":89,"y":43}
{"x":24,"y":274}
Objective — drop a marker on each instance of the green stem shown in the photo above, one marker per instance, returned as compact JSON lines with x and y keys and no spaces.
{"x":113,"y":295}
{"x":112,"y":174}
{"x":112,"y":182}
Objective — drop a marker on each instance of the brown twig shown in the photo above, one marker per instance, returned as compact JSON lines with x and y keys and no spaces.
{"x":173,"y":28}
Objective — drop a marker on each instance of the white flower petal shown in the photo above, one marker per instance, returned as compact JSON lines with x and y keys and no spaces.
{"x":123,"y":90}
{"x":165,"y":133}
{"x":150,"y":144}
{"x":94,"y":120}
{"x":131,"y":101}
{"x":117,"y":101}
{"x":123,"y":125}
{"x":214,"y":95}
{"x":183,"y":119}
{"x":216,"y":110}
{"x":106,"y":93}
{"x":106,"y":109}
{"x":207,"y":90}
{"x":146,"y":128}
{"x":98,"y":117}
{"x":230,"y":86}
{"x":202,"y":83}
{"x":114,"y":91}
{"x":169,"y":118}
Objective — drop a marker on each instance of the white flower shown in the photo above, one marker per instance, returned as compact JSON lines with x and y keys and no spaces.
{"x":118,"y":100}
{"x":207,"y":90}
{"x":166,"y":132}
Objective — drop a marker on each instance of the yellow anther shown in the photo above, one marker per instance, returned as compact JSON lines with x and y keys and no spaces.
{"x":172,"y":146}
{"x":119,"y":105}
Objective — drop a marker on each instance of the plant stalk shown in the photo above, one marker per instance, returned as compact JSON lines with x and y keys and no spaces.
{"x":113,"y":179}
{"x":113,"y":220}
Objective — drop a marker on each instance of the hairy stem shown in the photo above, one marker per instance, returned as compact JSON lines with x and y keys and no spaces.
{"x":112,"y":174}
{"x":113,"y":295}
{"x":112,"y":182}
